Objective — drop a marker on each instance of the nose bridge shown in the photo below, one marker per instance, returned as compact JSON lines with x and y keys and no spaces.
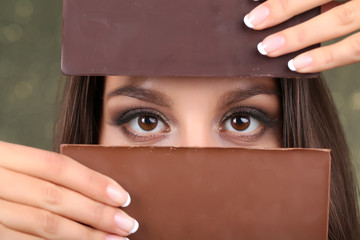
{"x":196,"y":131}
{"x":195,"y":138}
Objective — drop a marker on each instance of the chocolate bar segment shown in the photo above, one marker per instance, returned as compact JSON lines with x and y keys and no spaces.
{"x":168,"y":38}
{"x":218,"y":193}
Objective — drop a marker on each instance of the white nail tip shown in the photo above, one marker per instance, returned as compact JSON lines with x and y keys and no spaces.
{"x":261,"y":49}
{"x":248,"y":22}
{"x":128,"y":201}
{"x":135,"y":228}
{"x":291,"y":65}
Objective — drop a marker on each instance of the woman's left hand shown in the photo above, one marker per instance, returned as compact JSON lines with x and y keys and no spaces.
{"x":342,"y":18}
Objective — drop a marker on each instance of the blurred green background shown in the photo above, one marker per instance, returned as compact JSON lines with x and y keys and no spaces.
{"x":30,"y":40}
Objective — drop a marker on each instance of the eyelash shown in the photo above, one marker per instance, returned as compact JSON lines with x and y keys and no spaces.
{"x":259,"y":115}
{"x":123,"y":118}
{"x":130,"y":114}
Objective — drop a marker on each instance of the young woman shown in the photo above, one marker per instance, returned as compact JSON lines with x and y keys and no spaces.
{"x":44,"y":195}
{"x":51,"y":195}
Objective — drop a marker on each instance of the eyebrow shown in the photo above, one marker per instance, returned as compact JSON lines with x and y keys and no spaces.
{"x":142,"y":94}
{"x":243,"y":94}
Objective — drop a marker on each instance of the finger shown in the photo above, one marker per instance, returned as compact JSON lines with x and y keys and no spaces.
{"x":44,"y":224}
{"x":6,"y":233}
{"x":37,"y":193}
{"x":341,"y":53}
{"x":273,"y":12}
{"x":337,"y":22}
{"x":64,"y":171}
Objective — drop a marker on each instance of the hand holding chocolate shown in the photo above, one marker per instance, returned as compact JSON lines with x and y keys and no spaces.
{"x":159,"y":73}
{"x":45,"y":195}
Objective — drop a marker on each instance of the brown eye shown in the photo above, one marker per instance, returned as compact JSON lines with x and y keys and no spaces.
{"x":147,"y":122}
{"x":240,"y":123}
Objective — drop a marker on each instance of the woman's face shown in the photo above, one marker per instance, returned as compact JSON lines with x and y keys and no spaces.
{"x":202,"y":112}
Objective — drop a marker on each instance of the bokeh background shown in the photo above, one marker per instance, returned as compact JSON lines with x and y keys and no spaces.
{"x":30,"y":40}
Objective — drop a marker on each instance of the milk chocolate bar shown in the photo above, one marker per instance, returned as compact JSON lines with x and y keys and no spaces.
{"x":168,"y":38}
{"x":218,"y":193}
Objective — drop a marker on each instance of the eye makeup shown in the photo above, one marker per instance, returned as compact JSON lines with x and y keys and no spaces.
{"x":123,"y":118}
{"x":203,"y":112}
{"x":265,"y":121}
{"x":256,"y":113}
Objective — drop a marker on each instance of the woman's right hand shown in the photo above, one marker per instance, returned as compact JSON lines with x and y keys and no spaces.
{"x":45,"y":195}
{"x":338,"y":19}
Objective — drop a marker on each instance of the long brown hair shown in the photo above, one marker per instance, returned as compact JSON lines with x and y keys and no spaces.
{"x":310,"y":120}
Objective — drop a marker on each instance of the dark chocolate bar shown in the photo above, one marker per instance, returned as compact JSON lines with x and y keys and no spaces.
{"x":168,"y":38}
{"x":219,"y":193}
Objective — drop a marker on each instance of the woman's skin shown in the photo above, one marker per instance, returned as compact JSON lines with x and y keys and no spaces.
{"x":200,"y":112}
{"x":338,"y":19}
{"x":50,"y":194}
{"x":45,"y":195}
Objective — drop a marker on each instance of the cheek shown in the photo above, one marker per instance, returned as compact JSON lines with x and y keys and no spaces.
{"x":110,"y":136}
{"x":106,"y":136}
{"x":272,"y":139}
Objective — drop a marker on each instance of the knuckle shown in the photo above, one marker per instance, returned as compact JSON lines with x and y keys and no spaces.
{"x":92,"y":181}
{"x":301,"y":35}
{"x":51,"y":194}
{"x":329,"y":57}
{"x":5,"y":233}
{"x":95,"y":181}
{"x":48,"y":222}
{"x":356,"y":48}
{"x":54,"y":163}
{"x":346,"y":14}
{"x":10,"y":234}
{"x":100,"y":212}
{"x":2,"y":232}
{"x":284,"y":4}
{"x":91,"y":234}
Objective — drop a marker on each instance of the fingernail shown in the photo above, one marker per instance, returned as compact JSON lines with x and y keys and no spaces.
{"x":113,"y":237}
{"x":126,"y":223}
{"x":256,"y":16}
{"x":118,"y":196}
{"x":271,"y":44}
{"x":300,"y":62}
{"x":128,"y":201}
{"x":135,"y":228}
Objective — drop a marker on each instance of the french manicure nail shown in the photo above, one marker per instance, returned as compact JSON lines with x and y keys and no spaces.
{"x":256,"y":16}
{"x":117,"y":195}
{"x":271,"y":44}
{"x":113,"y":237}
{"x":135,"y":228}
{"x":300,"y":62}
{"x":291,"y":65}
{"x":126,"y":223}
{"x":128,"y":201}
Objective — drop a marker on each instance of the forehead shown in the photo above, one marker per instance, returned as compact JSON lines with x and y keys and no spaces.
{"x":193,"y":84}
